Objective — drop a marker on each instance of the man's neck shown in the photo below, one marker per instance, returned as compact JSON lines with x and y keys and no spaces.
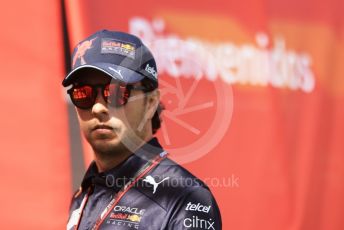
{"x":109,"y":163}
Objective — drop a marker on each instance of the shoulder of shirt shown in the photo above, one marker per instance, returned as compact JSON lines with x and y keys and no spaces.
{"x":178,"y":184}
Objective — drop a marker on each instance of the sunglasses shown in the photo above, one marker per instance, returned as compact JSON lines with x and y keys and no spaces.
{"x":84,"y":96}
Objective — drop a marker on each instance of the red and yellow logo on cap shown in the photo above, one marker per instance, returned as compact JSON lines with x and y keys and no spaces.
{"x":112,"y":46}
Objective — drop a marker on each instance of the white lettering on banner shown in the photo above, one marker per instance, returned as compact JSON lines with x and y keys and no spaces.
{"x":196,"y":222}
{"x":197,"y":207}
{"x":254,"y":64}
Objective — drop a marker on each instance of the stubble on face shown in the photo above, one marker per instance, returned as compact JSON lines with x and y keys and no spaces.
{"x":125,"y":135}
{"x":122,"y":133}
{"x":124,"y":138}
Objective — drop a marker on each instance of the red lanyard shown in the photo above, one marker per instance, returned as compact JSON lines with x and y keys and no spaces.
{"x":143,"y":171}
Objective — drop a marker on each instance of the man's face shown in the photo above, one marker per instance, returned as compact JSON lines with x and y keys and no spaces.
{"x":113,"y":129}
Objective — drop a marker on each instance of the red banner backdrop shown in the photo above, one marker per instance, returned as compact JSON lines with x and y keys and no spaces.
{"x":259,"y":84}
{"x":254,"y":97}
{"x":34,"y":166}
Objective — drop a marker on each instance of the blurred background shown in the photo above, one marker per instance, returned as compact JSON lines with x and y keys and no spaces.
{"x":254,"y":96}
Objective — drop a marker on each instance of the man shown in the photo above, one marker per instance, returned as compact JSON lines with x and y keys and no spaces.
{"x":131,"y":184}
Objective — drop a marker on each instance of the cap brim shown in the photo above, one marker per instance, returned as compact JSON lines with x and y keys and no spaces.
{"x":118,"y":73}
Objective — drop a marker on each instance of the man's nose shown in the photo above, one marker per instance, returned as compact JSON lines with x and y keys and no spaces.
{"x":100,"y":108}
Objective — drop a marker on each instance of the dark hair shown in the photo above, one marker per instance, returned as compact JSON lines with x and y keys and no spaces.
{"x":156,"y":119}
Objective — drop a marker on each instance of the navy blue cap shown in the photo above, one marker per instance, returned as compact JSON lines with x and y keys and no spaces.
{"x":120,"y":55}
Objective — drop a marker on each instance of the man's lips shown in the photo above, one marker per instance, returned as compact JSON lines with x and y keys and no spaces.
{"x":102,"y":127}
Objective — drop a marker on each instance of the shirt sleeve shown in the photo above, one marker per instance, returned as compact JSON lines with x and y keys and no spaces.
{"x":196,"y":210}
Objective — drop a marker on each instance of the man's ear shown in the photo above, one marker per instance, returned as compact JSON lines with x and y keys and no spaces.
{"x":152,"y":103}
{"x":153,"y":100}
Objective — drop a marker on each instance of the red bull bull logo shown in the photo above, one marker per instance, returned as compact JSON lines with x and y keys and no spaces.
{"x":81,"y":51}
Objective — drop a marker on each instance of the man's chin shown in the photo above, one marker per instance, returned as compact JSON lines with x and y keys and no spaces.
{"x":106,"y":145}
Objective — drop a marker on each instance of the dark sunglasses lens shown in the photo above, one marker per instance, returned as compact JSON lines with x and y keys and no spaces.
{"x":82,"y":97}
{"x":116,"y":95}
